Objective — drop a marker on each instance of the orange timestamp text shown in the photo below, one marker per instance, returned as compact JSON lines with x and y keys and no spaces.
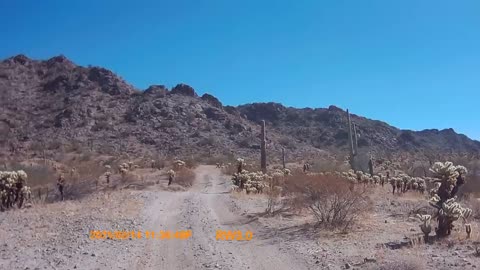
{"x":234,"y":235}
{"x":123,"y":235}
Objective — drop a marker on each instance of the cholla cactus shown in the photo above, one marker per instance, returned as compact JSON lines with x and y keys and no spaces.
{"x":123,"y":169}
{"x":405,"y":181}
{"x":468,"y":229}
{"x":13,"y":189}
{"x":251,"y":190}
{"x":235,"y":188}
{"x":152,"y":163}
{"x":240,"y":164}
{"x":350,"y":175}
{"x":171,"y":173}
{"x":383,"y":179}
{"x":426,"y":226}
{"x":178,"y":164}
{"x":394,"y":182}
{"x":448,"y":179}
{"x":254,"y":182}
{"x":376,"y":179}
{"x":27,"y":192}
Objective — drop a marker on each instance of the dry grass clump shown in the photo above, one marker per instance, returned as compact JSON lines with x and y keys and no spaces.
{"x":184,"y":177}
{"x":473,"y":203}
{"x":335,"y":202}
{"x":329,"y":165}
{"x":129,"y":177}
{"x":83,"y":179}
{"x":229,"y":169}
{"x":191,"y":163}
{"x":38,"y":174}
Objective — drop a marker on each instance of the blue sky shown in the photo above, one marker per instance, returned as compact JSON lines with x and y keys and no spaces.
{"x":414,"y":64}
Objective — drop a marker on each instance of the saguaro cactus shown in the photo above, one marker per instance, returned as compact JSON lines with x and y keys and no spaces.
{"x":355,"y":139}
{"x":263,"y":158}
{"x":370,"y":165}
{"x":353,"y":152}
{"x":283,"y":158}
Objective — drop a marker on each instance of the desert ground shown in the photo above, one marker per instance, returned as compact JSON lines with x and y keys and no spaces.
{"x":57,"y":235}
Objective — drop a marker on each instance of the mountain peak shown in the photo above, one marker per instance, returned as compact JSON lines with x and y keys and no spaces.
{"x":59,"y":59}
{"x":19,"y":59}
{"x":184,"y":89}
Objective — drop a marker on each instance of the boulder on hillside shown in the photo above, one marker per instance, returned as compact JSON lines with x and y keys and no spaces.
{"x":183,"y":89}
{"x":156,"y":90}
{"x":212,"y":100}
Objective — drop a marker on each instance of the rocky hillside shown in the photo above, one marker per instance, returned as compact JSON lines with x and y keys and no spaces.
{"x":57,"y":105}
{"x":327,"y":129}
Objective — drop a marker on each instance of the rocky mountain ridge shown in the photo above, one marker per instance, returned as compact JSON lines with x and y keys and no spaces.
{"x":55,"y":103}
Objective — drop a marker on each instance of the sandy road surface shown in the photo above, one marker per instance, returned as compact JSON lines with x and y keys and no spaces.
{"x":204,"y":209}
{"x":56,"y":236}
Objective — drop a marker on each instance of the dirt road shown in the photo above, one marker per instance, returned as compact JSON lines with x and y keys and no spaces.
{"x":56,"y":236}
{"x":204,"y":209}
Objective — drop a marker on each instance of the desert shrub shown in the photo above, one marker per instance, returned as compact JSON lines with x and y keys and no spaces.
{"x":253,"y":167}
{"x":208,"y":141}
{"x":287,"y":142}
{"x":334,"y":201}
{"x":85,"y":157}
{"x":328,"y":165}
{"x":37,"y":146}
{"x":104,"y":149}
{"x":101,"y":125}
{"x":74,"y":146}
{"x":168,"y":124}
{"x":473,"y":203}
{"x":76,"y":189}
{"x":161,"y":163}
{"x":83,"y":179}
{"x":88,"y":171}
{"x":191,"y":163}
{"x":245,"y":142}
{"x":54,"y":145}
{"x":37,"y":174}
{"x":185,"y":177}
{"x":230,"y":168}
{"x":42,"y":194}
{"x":274,"y":189}
{"x":128,"y":177}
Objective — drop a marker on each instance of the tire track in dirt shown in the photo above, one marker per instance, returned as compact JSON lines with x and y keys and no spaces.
{"x":204,"y":209}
